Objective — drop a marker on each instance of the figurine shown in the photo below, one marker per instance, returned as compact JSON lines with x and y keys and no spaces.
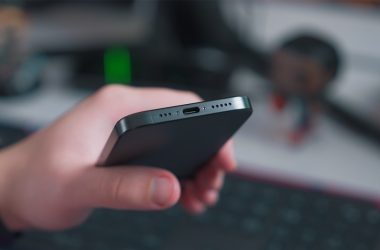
{"x":302,"y":70}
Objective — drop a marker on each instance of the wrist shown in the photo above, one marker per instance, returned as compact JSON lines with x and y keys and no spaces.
{"x":9,"y":161}
{"x":9,"y":228}
{"x":5,"y":165}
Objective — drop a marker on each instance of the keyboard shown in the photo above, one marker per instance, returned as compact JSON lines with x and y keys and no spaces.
{"x":250,"y":215}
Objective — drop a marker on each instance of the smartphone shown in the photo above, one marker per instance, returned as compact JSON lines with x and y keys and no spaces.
{"x":180,"y":139}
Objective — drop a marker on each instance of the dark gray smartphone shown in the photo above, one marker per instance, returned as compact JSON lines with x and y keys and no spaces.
{"x":180,"y":139}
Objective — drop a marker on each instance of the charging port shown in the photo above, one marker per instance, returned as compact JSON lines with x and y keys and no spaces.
{"x":190,"y":111}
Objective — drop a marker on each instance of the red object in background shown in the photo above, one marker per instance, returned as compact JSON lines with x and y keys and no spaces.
{"x":279,"y":102}
{"x":297,"y":136}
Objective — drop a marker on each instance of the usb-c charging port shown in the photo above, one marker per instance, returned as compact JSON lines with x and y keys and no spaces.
{"x":190,"y":111}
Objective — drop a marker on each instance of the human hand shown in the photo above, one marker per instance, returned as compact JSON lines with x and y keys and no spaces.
{"x":49,"y":181}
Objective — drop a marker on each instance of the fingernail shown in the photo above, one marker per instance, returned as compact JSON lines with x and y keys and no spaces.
{"x":200,"y":209}
{"x":212,"y":198}
{"x":161,"y":191}
{"x":219,"y":180}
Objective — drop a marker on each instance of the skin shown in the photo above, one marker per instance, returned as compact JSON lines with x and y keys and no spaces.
{"x":49,"y":181}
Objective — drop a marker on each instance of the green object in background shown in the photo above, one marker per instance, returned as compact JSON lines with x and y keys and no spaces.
{"x":117,"y":66}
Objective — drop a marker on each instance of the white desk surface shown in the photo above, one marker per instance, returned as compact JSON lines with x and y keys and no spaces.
{"x":333,"y":157}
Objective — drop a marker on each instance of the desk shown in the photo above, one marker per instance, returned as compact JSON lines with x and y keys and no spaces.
{"x":335,"y":158}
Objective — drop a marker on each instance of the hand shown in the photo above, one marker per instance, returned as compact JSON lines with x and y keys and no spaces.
{"x":49,"y":181}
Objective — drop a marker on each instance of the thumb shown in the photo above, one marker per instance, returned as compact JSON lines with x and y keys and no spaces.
{"x":137,"y":188}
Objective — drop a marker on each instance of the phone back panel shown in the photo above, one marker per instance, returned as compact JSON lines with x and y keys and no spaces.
{"x":181,"y":146}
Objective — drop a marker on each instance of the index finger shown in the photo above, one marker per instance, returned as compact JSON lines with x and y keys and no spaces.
{"x":103,"y":109}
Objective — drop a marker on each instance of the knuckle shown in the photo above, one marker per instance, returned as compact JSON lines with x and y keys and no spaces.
{"x":110,"y":92}
{"x":165,"y":91}
{"x":191,"y":96}
{"x":122,"y":192}
{"x":114,"y":190}
{"x":184,"y":94}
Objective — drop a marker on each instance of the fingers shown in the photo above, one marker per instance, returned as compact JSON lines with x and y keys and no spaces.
{"x":225,"y":159}
{"x":204,"y":190}
{"x":120,"y":101}
{"x":189,"y":199}
{"x":136,"y":188}
{"x":208,"y":197}
{"x":210,"y":178}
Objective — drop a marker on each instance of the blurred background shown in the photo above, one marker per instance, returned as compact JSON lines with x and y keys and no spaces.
{"x":311,"y":69}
